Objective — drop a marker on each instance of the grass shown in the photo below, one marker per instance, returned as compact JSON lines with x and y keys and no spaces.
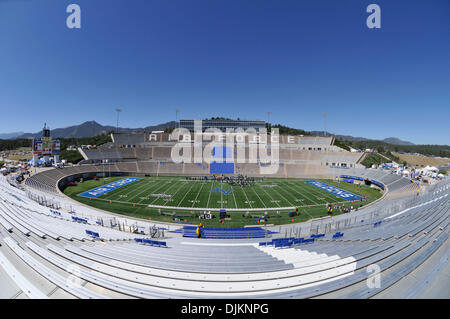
{"x":422,"y":160}
{"x":133,"y":199}
{"x":373,"y":158}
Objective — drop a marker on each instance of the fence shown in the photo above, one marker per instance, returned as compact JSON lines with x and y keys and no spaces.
{"x":373,"y":214}
{"x":326,"y":225}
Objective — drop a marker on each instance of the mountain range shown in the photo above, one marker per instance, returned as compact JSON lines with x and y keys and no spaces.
{"x":92,"y":128}
{"x":389,"y":140}
{"x":7,"y":136}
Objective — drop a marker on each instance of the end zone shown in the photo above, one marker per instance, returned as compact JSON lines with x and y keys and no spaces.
{"x":334,"y":190}
{"x":99,"y":191}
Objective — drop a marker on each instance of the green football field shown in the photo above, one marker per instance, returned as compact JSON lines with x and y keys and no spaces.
{"x":160,"y":198}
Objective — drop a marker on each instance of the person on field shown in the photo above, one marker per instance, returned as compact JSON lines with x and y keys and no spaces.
{"x":199,"y":230}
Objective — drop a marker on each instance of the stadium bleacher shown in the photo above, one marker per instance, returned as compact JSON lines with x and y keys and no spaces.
{"x":323,"y":264}
{"x":225,"y":233}
{"x":42,"y":248}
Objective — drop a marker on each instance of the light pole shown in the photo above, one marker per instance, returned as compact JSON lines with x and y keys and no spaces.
{"x":268,"y":118}
{"x":118,"y":112}
{"x":176,"y":117}
{"x":325,"y":123}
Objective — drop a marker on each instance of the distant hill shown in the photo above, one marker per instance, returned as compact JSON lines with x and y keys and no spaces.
{"x":7,"y":136}
{"x":92,"y":128}
{"x":396,"y":141}
{"x":341,"y":137}
{"x":389,"y":140}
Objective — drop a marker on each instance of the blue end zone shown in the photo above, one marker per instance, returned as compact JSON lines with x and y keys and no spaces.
{"x":99,"y":191}
{"x":335,"y":191}
{"x":221,"y":152}
{"x":226,"y":166}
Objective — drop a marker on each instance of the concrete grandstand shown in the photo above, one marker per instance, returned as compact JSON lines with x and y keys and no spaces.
{"x":54,"y":247}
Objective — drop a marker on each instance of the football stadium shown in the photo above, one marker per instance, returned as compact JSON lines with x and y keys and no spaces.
{"x":128,"y":221}
{"x":215,"y":208}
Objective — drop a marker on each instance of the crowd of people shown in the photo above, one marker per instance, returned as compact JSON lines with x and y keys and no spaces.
{"x":339,"y":207}
{"x":239,"y":180}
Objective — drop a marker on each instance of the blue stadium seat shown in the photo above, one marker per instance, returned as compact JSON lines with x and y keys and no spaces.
{"x":92,"y":234}
{"x":337,"y":235}
{"x":225,"y":233}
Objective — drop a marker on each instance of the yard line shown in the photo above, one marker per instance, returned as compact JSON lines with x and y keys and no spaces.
{"x":234,"y":197}
{"x":318,"y":204}
{"x":330,"y":196}
{"x":133,"y":189}
{"x":258,"y":197}
{"x":186,"y":194}
{"x":228,"y":188}
{"x":301,"y":195}
{"x":282,"y":186}
{"x":209,"y":195}
{"x":316,"y":193}
{"x":127,"y":190}
{"x":146,"y":189}
{"x":241,"y":191}
{"x":150,"y":189}
{"x":174,"y":194}
{"x":121,"y":189}
{"x":198,"y":193}
{"x":305,"y":211}
{"x":326,"y":194}
{"x":151,"y":203}
{"x":248,"y":201}
{"x":287,"y":201}
{"x":294,"y":188}
{"x":273,"y":200}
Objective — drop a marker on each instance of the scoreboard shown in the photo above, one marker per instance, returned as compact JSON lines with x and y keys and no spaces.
{"x":46,"y":146}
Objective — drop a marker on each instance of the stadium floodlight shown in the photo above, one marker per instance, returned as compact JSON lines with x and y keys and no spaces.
{"x":118,"y":112}
{"x":176,"y":116}
{"x":325,"y":123}
{"x":268,"y":118}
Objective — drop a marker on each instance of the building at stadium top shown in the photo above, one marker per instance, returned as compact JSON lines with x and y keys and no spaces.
{"x":223,"y":124}
{"x":298,"y":156}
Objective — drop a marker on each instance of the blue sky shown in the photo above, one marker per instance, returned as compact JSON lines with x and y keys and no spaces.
{"x":229,"y":58}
